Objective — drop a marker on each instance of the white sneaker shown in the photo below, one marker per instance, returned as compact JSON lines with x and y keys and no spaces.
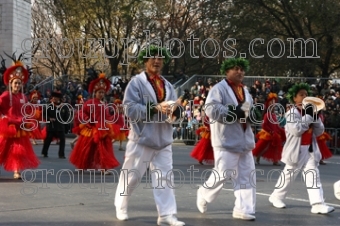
{"x":244,"y":216}
{"x":278,"y":203}
{"x":322,"y":208}
{"x":200,"y":202}
{"x":122,"y":215}
{"x":169,"y":220}
{"x":336,"y":187}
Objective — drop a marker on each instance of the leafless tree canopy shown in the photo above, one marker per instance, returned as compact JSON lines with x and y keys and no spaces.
{"x":68,"y":36}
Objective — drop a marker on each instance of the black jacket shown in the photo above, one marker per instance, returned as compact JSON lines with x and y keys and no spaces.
{"x":61,"y":116}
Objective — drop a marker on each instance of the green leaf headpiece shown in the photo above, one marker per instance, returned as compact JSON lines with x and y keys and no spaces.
{"x":232,"y":62}
{"x":151,"y":51}
{"x":295,"y":89}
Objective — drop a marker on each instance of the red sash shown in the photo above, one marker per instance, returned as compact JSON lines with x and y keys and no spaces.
{"x":240,"y":96}
{"x":306,"y":138}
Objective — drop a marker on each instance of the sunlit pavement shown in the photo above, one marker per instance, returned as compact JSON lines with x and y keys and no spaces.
{"x":58,"y":194}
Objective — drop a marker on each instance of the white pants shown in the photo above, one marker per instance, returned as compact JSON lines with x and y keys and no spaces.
{"x":133,"y":169}
{"x":243,"y":179}
{"x":310,"y":174}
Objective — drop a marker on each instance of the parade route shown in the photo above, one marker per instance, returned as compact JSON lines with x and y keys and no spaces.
{"x":67,"y":197}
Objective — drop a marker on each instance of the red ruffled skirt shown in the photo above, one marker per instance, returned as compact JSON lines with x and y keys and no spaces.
{"x":16,"y":152}
{"x":268,"y":146}
{"x":38,"y":134}
{"x":203,"y":151}
{"x":122,"y":135}
{"x":322,"y":143}
{"x":94,"y":149}
{"x":120,"y":124}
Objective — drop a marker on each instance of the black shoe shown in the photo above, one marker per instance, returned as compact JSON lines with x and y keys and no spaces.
{"x":43,"y":155}
{"x":62,"y":157}
{"x":322,"y":162}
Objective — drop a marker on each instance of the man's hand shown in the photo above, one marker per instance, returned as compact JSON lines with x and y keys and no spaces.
{"x":239,"y":112}
{"x":163,"y":107}
{"x":174,"y":104}
{"x":245,"y":107}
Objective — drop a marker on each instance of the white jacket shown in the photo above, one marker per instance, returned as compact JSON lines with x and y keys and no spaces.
{"x":156,"y":133}
{"x":230,"y":136}
{"x":296,"y":125}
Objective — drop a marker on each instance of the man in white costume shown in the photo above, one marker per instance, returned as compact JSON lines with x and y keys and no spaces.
{"x":227,"y":106}
{"x":146,"y":102}
{"x":301,"y":152}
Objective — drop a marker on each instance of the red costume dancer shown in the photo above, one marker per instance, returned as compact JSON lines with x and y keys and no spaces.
{"x":16,"y":152}
{"x":121,"y":122}
{"x":271,"y":137}
{"x":36,"y":113}
{"x":93,"y":149}
{"x":203,"y":151}
{"x":322,"y":143}
{"x":76,"y":122}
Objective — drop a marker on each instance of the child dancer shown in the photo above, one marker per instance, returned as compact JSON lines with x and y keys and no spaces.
{"x":93,"y":149}
{"x":301,"y":152}
{"x":75,"y":129}
{"x":16,"y":152}
{"x":121,"y":122}
{"x":203,"y":151}
{"x":322,"y":143}
{"x":272,"y":136}
{"x":36,"y":111}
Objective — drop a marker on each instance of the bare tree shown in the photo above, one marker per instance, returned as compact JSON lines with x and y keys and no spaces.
{"x":289,"y":24}
{"x":51,"y":53}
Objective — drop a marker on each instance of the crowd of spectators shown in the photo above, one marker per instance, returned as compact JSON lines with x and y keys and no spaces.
{"x":72,"y":91}
{"x":193,"y":115}
{"x":194,"y":99}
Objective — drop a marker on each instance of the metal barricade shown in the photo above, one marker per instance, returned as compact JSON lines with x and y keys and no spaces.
{"x":189,"y":137}
{"x":334,"y":143}
{"x":185,"y":133}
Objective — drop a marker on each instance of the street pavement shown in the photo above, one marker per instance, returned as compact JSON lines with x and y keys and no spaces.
{"x":58,"y":194}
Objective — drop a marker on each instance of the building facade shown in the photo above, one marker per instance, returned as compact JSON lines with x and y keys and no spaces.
{"x":15,"y":28}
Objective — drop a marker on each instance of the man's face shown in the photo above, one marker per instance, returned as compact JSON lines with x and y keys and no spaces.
{"x":235,"y":74}
{"x":154,"y":65}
